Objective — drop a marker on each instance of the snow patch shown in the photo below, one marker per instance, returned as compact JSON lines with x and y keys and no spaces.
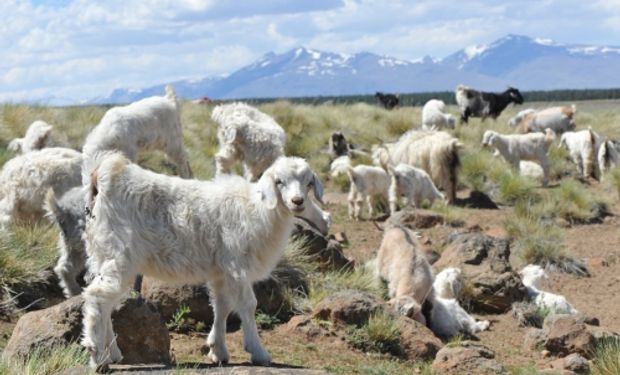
{"x":475,"y":50}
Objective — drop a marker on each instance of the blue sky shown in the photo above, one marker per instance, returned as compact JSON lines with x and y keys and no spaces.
{"x":80,"y":49}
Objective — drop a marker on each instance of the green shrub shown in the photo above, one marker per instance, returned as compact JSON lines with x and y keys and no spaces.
{"x":606,"y":358}
{"x":46,"y":361}
{"x":379,"y":334}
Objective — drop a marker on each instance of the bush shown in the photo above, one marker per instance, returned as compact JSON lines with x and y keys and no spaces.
{"x":379,"y":334}
{"x":606,"y":358}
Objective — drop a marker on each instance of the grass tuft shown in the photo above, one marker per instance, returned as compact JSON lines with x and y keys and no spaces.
{"x":46,"y":362}
{"x":379,"y":334}
{"x":606,"y":358}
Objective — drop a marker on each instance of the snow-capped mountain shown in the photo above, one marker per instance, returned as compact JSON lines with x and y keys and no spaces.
{"x":520,"y":61}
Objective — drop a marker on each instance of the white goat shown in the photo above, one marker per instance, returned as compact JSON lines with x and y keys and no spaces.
{"x":532,"y":170}
{"x":558,"y":119}
{"x":583,"y":147}
{"x":37,"y":137}
{"x":608,"y":156}
{"x":412,"y":183}
{"x":248,"y":135}
{"x":367,"y":182}
{"x":519,"y":117}
{"x":339,"y":166}
{"x":517,"y":147}
{"x":447,"y":317}
{"x":25,"y":180}
{"x":434,"y":116}
{"x":532,"y":276}
{"x":402,"y":264}
{"x":435,"y":152}
{"x":151,"y":123}
{"x":228,"y":233}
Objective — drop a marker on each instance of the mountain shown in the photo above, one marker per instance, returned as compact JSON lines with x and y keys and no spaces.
{"x":520,"y":61}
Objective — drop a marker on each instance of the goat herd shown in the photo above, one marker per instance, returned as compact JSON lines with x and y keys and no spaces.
{"x":119,"y":220}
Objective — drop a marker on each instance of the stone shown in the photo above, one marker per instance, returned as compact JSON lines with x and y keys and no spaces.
{"x":415,"y":219}
{"x":468,"y":358}
{"x":141,"y":334}
{"x":573,"y":362}
{"x":418,"y":342}
{"x":347,"y":307}
{"x":565,"y":335}
{"x":327,"y":252}
{"x":306,"y":326}
{"x":341,"y":237}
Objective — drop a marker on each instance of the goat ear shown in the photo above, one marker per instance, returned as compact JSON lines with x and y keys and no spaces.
{"x":318,"y":188}
{"x":267,"y":189}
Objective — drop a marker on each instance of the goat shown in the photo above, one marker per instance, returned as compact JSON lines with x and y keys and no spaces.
{"x":517,"y":147}
{"x":608,"y":156}
{"x":388,"y":101}
{"x":583,"y":147}
{"x":37,"y":137}
{"x":558,"y":119}
{"x":228,"y":232}
{"x":473,"y":103}
{"x":151,"y":123}
{"x":412,"y":183}
{"x":338,"y":145}
{"x":434,"y":116}
{"x":366,"y":182}
{"x":519,"y":117}
{"x":532,"y":276}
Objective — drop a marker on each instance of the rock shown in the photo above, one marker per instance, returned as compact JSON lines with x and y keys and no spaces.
{"x":573,"y":362}
{"x":31,"y":295}
{"x":484,"y":260}
{"x":347,"y":307}
{"x":341,"y":237}
{"x":468,"y":358}
{"x":306,"y":326}
{"x":418,"y":342}
{"x":142,"y":335}
{"x":564,"y":336}
{"x":415,"y":219}
{"x":534,"y":339}
{"x":527,"y":314}
{"x":328,"y":253}
{"x":167,"y":299}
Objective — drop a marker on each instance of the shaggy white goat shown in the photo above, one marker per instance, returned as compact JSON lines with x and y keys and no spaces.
{"x":517,"y":147}
{"x":583,"y":147}
{"x":447,"y":317}
{"x":608,"y":156}
{"x":434,"y":116}
{"x":25,"y":180}
{"x":151,"y":123}
{"x":37,"y":137}
{"x":412,"y":183}
{"x":227,"y":232}
{"x":248,"y":135}
{"x":532,"y":276}
{"x":532,"y":170}
{"x":519,"y":117}
{"x":435,"y":152}
{"x":339,"y":166}
{"x":402,"y":264}
{"x":367,"y":182}
{"x":558,"y":119}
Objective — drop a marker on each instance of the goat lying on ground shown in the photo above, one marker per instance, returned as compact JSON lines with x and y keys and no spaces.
{"x":473,"y":103}
{"x":532,"y":276}
{"x":227,"y":232}
{"x":37,"y":137}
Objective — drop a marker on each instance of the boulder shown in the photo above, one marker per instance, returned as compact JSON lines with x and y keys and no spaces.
{"x":327,"y":252}
{"x":467,"y":358}
{"x":142,"y":335}
{"x":310,"y":328}
{"x":493,"y":286}
{"x":415,"y":219}
{"x":573,"y":362}
{"x":418,"y":342}
{"x":347,"y":307}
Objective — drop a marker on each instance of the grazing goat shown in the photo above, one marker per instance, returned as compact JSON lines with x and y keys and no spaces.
{"x":517,"y":147}
{"x":473,"y":103}
{"x":434,"y":116}
{"x":608,"y":156}
{"x":583,"y":147}
{"x":532,"y":276}
{"x":558,"y":119}
{"x":37,"y":137}
{"x":437,"y":153}
{"x":412,"y":183}
{"x":25,"y":180}
{"x":338,"y":145}
{"x":447,"y":317}
{"x":151,"y":123}
{"x":248,"y":135}
{"x":228,"y":233}
{"x":68,"y":213}
{"x":516,"y":119}
{"x":388,"y":101}
{"x":366,"y":182}
{"x":403,"y":265}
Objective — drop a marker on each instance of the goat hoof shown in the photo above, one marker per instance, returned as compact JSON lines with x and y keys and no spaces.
{"x":261,"y":359}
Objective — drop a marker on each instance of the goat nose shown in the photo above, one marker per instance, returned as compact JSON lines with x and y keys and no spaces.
{"x":297,"y":200}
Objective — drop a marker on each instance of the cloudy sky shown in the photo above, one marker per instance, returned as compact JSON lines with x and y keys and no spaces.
{"x":80,"y":49}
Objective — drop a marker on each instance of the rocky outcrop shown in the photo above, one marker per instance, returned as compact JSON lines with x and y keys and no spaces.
{"x":326,"y":251}
{"x":347,"y":307}
{"x":418,"y":342}
{"x":467,"y":358}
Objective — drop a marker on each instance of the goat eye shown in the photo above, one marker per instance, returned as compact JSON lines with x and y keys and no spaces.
{"x":279,"y":182}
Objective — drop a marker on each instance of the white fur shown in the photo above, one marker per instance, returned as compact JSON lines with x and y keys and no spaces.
{"x":583,"y":147}
{"x":151,"y":123}
{"x":532,"y":277}
{"x":517,"y":147}
{"x":248,"y":135}
{"x":25,"y":180}
{"x":448,"y":283}
{"x":532,"y":170}
{"x":434,"y":116}
{"x":367,"y":182}
{"x":339,"y":166}
{"x":412,"y":183}
{"x":519,"y":117}
{"x":402,"y":264}
{"x":37,"y":137}
{"x":608,"y":156}
{"x":558,"y":119}
{"x":227,"y":232}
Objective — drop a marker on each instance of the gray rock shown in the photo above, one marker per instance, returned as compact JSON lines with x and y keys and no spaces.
{"x":327,"y":252}
{"x":347,"y":307}
{"x":415,"y":219}
{"x":573,"y":362}
{"x":418,"y":342}
{"x":468,"y":358}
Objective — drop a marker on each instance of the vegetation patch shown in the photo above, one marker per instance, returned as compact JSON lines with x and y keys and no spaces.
{"x":380,"y":334}
{"x":46,"y":362}
{"x":606,"y":358}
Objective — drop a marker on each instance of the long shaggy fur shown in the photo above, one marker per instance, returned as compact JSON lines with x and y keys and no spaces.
{"x":37,"y":137}
{"x":608,"y":156}
{"x":434,"y":116}
{"x":228,"y":233}
{"x":558,"y":119}
{"x":25,"y":180}
{"x":412,"y":183}
{"x":474,"y":103}
{"x":583,"y":147}
{"x":532,"y":277}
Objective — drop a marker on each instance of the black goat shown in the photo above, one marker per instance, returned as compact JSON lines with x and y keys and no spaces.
{"x":338,"y":144}
{"x":388,"y":101}
{"x":473,"y":103}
